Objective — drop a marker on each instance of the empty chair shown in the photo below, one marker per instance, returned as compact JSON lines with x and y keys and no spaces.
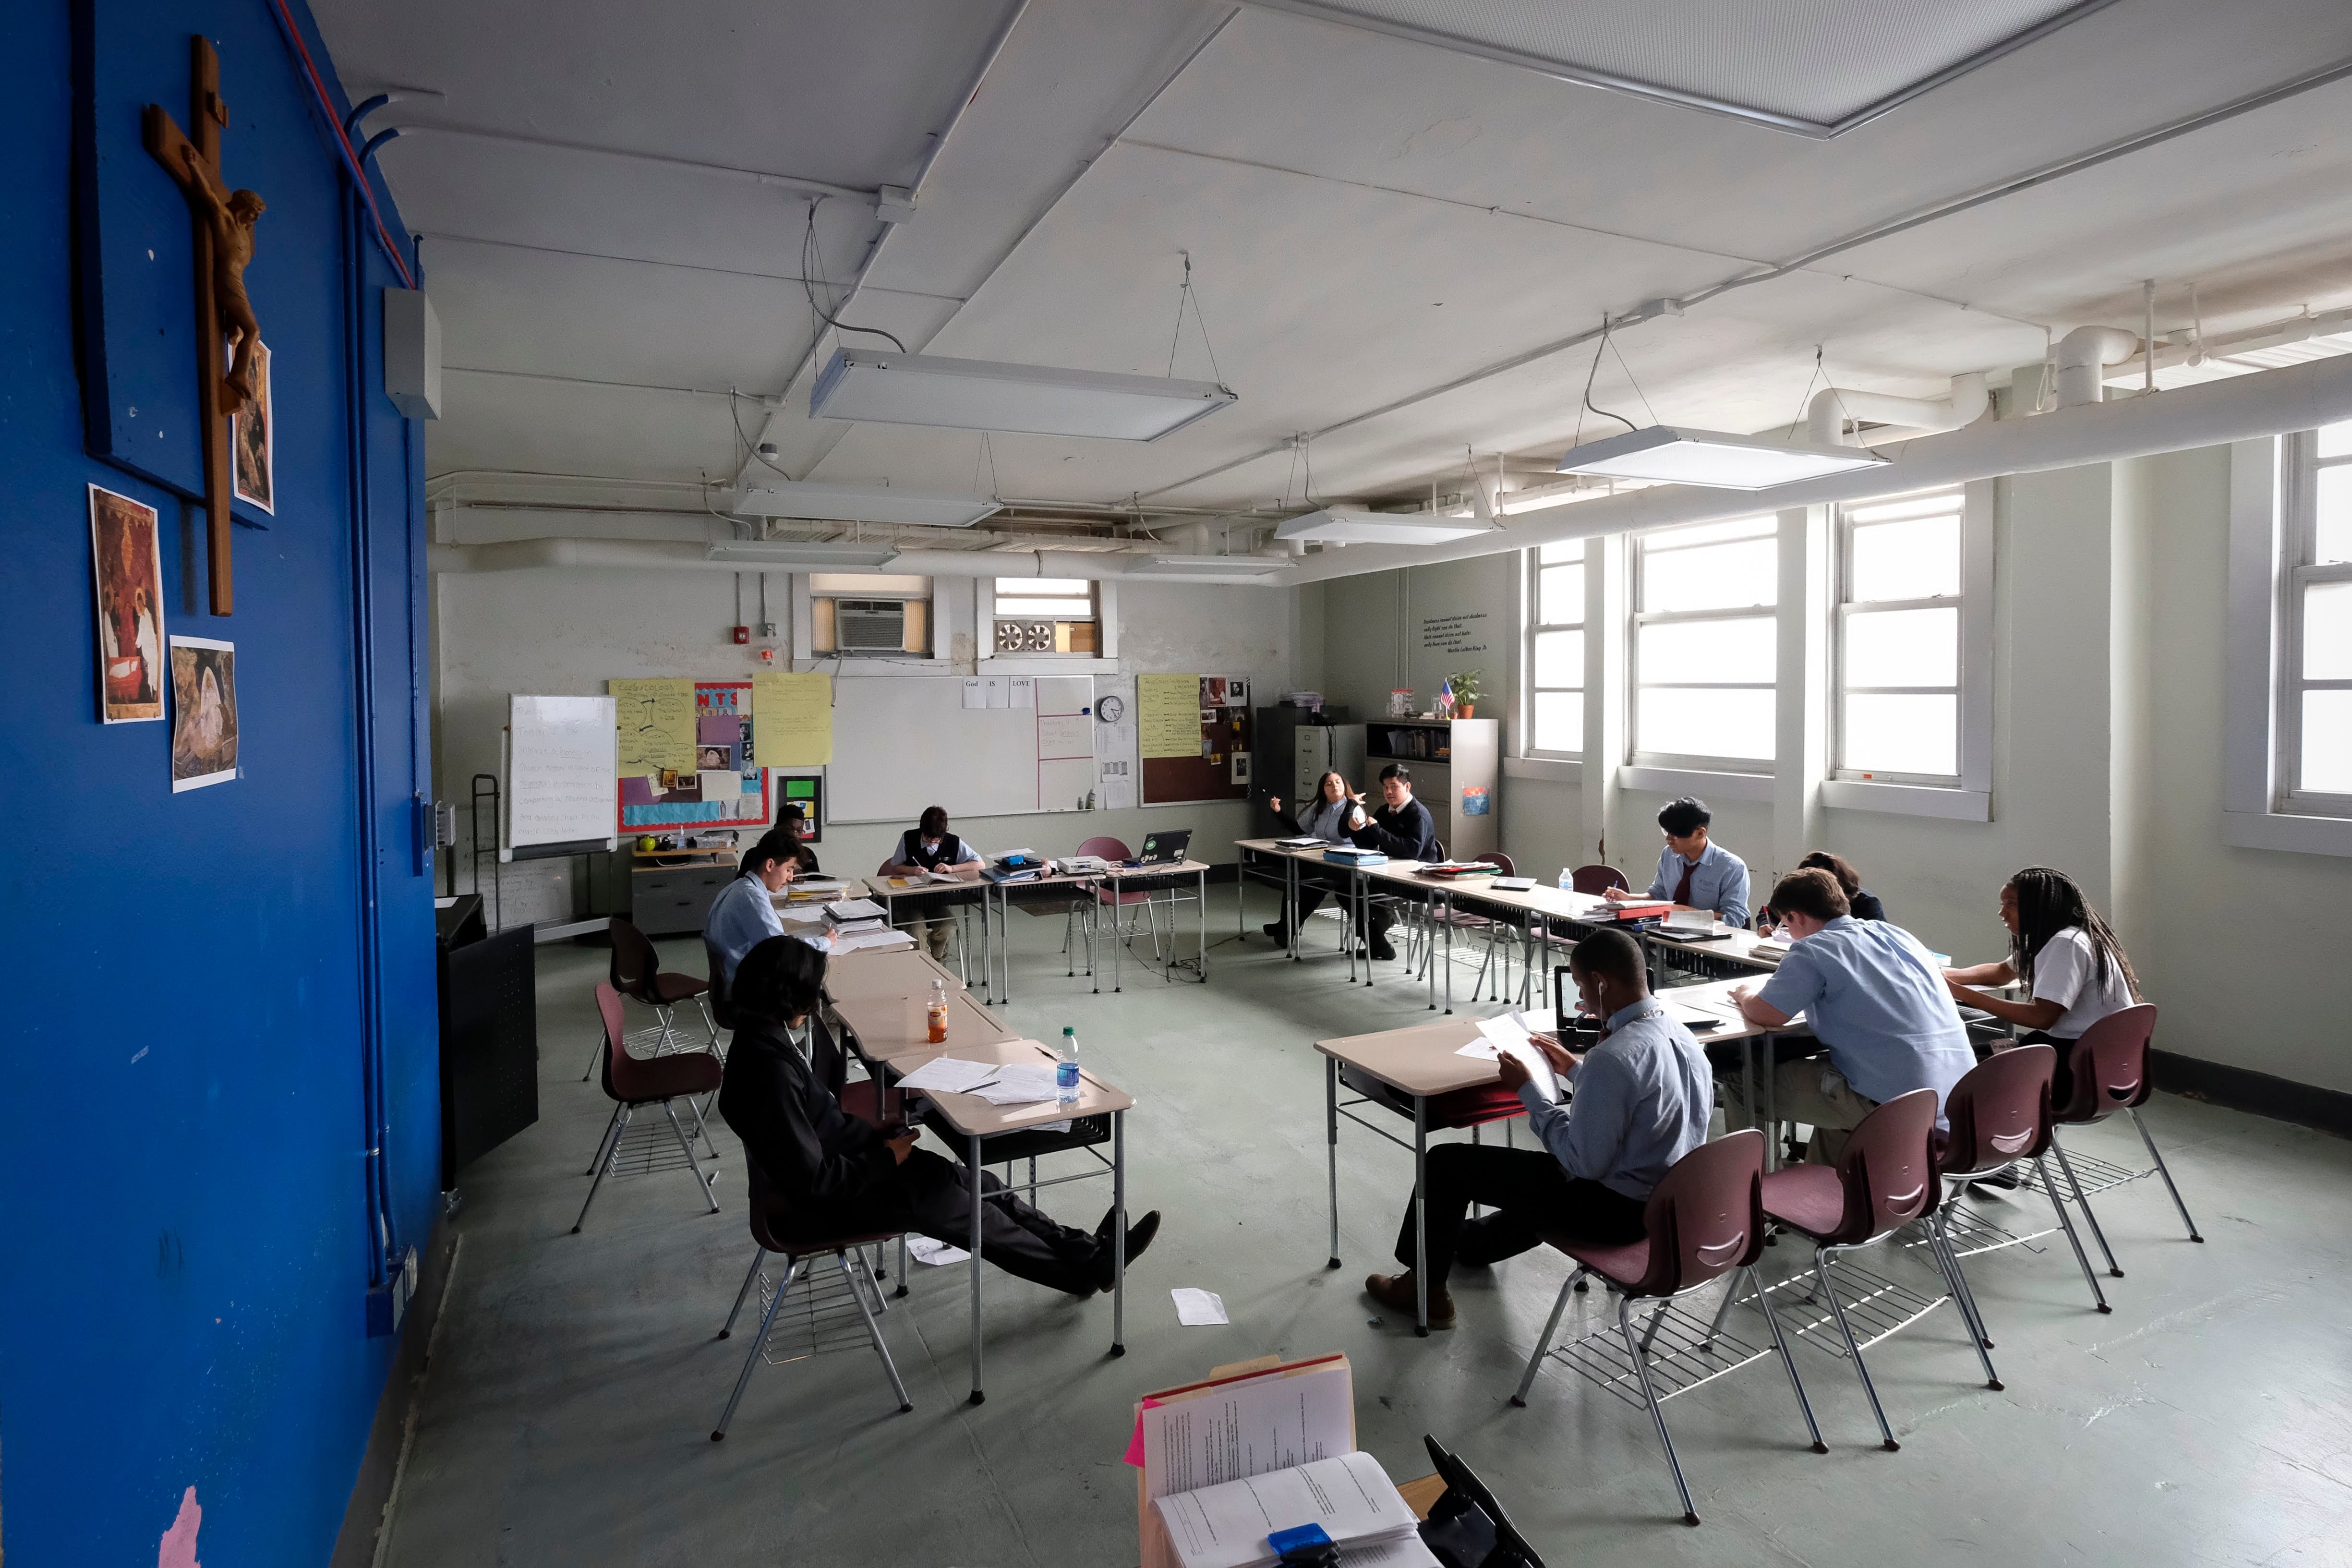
{"x":636,"y":973}
{"x":2000,"y":1115}
{"x":632,"y":1083}
{"x":2110,"y":1069}
{"x":1594,"y":880}
{"x":1884,"y":1179}
{"x":1498,"y":935}
{"x":1115,"y":850}
{"x":1705,"y":1220}
{"x":769,"y":1236}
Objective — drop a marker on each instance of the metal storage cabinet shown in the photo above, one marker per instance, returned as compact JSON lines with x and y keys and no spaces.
{"x":1456,"y":765}
{"x":672,"y":900}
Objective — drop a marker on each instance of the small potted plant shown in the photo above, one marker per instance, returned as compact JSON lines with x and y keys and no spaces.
{"x":1465,"y":692}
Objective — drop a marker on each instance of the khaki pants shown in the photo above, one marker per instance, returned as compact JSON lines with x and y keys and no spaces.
{"x":934,"y":933}
{"x":1812,"y":1093}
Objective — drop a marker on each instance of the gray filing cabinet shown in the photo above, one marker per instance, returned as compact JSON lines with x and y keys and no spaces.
{"x":671,"y":901}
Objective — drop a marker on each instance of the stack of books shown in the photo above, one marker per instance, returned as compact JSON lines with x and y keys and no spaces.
{"x":853,"y":916}
{"x":1348,"y":855}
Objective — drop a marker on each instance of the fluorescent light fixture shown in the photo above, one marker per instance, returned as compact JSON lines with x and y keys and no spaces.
{"x":980,"y":394}
{"x":864,"y":503}
{"x":1209,"y":566}
{"x":1350,"y":525}
{"x":810,"y":557}
{"x":1673,"y":456}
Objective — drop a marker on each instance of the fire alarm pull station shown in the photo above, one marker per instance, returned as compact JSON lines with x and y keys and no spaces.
{"x":743,"y":635}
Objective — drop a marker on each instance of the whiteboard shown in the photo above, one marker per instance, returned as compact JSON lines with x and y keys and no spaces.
{"x":901,"y":742}
{"x":561,"y":766}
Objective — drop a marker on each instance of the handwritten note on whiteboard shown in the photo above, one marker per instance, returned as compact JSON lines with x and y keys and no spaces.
{"x":1170,"y":714}
{"x":653,"y":720}
{"x":558,"y":769}
{"x":792,"y":715}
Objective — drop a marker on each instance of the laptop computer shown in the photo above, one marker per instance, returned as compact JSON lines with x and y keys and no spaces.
{"x":1164,"y":849}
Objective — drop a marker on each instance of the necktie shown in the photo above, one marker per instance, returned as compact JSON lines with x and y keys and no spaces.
{"x":1683,"y":889}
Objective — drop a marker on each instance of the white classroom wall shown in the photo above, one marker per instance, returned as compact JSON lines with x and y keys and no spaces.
{"x":567,"y":632}
{"x":2109,"y":619}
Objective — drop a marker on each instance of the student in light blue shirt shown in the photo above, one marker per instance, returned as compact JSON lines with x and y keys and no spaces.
{"x":744,"y":914}
{"x":1642,"y":1098}
{"x":1873,"y":995}
{"x":1693,"y":870}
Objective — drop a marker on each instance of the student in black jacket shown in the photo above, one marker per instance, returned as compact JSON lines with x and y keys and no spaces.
{"x":1402,"y":829}
{"x":835,"y":1176}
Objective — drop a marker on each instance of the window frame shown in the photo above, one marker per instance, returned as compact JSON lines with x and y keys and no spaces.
{"x":1766,"y":616}
{"x":1843,"y":609}
{"x":2299,"y":569}
{"x":1532,"y":570}
{"x":1105,"y":594}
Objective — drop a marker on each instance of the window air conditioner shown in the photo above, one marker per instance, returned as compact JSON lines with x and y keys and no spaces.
{"x":869,"y":625}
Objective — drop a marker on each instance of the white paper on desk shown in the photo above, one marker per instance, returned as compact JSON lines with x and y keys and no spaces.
{"x":1509,"y":1036}
{"x":923,"y":1249}
{"x":1246,"y":1428}
{"x":1019,"y":1083}
{"x":1199,"y":1308}
{"x":1226,"y":1525}
{"x":950,"y":1074}
{"x":871,"y":940}
{"x":1395,"y":1552}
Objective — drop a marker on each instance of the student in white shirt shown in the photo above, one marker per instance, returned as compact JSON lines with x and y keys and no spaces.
{"x":923,"y":849}
{"x":2068,"y":959}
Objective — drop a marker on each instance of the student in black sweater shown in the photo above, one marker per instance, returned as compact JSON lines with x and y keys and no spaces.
{"x":1861,"y":902}
{"x":1402,"y":829}
{"x":835,"y":1176}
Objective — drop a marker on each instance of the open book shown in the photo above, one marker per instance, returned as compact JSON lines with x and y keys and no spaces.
{"x":1230,"y":1525}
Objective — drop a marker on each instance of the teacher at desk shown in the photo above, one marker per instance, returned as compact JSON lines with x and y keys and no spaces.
{"x":1693,"y":870}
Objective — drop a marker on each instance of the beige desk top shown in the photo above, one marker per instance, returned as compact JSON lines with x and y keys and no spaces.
{"x":899,"y":971}
{"x":970,"y":1115}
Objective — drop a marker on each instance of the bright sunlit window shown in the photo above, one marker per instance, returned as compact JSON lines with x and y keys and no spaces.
{"x":2314,"y":764}
{"x":1705,"y":644}
{"x":1898,"y":648}
{"x":1554,"y":652}
{"x":1046,"y":615}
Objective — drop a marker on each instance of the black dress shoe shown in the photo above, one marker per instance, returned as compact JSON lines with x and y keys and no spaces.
{"x":1138,"y":1241}
{"x":1380,"y":949}
{"x":1278,"y":931}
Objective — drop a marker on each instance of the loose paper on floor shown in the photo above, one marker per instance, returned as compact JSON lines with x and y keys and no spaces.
{"x":923,"y":1249}
{"x":1198,"y":1308}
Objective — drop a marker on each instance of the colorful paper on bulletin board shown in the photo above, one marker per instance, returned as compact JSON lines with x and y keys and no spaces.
{"x":794,"y":713}
{"x":1474,"y":800}
{"x":1169,"y":716}
{"x":693,"y":793}
{"x":656,"y":721}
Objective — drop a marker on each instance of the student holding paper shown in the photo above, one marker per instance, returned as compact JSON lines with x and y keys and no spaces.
{"x":744,"y":914}
{"x":924,"y":848}
{"x":1325,"y":817}
{"x":1644,"y":1095}
{"x":835,"y":1176}
{"x":1693,"y":870}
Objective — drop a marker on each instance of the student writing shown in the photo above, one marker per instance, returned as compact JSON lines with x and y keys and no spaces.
{"x":1693,"y":870}
{"x":2071,"y":965}
{"x":925,"y":848}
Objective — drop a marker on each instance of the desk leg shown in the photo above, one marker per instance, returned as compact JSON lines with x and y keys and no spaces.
{"x":1290,"y":907}
{"x":1117,"y":941}
{"x":1203,"y":875}
{"x":1240,"y":915}
{"x":1348,"y":923}
{"x":1420,"y":1216}
{"x":1331,"y":1147}
{"x":1119,"y":1232}
{"x":1448,"y":913}
{"x":1363,"y":925}
{"x":972,"y":1163}
{"x":1771,"y":1101}
{"x":1094,"y":919}
{"x":1004,"y":935}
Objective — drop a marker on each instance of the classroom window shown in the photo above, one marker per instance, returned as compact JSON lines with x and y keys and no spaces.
{"x":1555,"y":650}
{"x":2314,"y":768}
{"x":1705,"y":644}
{"x":1047,"y":614}
{"x":854,"y":616}
{"x":1898,"y":646}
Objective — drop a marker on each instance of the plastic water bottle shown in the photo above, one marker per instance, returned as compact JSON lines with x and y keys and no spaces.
{"x":1065,"y":1070}
{"x":1567,"y":880}
{"x":938,"y":1011}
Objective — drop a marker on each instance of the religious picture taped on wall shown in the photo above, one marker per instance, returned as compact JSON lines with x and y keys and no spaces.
{"x":254,"y":438}
{"x":129,"y":574}
{"x":204,"y":712}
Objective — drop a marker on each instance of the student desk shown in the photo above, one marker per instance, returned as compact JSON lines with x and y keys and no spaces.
{"x":1293,"y":870}
{"x":932,"y":900}
{"x":1121,"y":879}
{"x":1403,"y":1070}
{"x":882,"y":1000}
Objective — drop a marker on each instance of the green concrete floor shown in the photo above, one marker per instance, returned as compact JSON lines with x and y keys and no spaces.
{"x":566,"y":1414}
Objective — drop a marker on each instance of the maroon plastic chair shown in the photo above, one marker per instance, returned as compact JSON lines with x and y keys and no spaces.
{"x":1115,"y":849}
{"x":2110,"y":1070}
{"x":1999,"y":1115}
{"x":1594,"y":880}
{"x":770,"y":1235}
{"x":1495,"y":980}
{"x":632,"y":1083}
{"x":1705,"y":1219}
{"x":1884,"y":1180}
{"x":636,"y":974}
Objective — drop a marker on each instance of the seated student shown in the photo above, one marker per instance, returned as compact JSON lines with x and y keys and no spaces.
{"x":744,"y":915}
{"x":1325,"y":817}
{"x":1861,"y":901}
{"x":929,"y":847}
{"x":2073,"y":968}
{"x":1401,"y":830}
{"x":1694,"y":870}
{"x":835,"y":1176}
{"x":1643,"y":1099}
{"x":1870,"y":993}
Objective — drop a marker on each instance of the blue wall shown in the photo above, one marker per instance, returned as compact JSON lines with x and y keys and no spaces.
{"x":185,"y":1242}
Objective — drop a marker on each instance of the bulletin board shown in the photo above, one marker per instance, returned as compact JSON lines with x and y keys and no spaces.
{"x":1196,"y":740}
{"x":686,"y":756}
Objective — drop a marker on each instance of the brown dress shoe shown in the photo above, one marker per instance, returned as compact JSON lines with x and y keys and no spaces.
{"x":1395,"y":1291}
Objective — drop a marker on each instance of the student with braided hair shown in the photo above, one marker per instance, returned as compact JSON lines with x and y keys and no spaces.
{"x":2073,"y":968}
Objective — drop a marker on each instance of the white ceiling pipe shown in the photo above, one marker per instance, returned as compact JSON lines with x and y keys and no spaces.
{"x":1833,"y":407}
{"x":687,"y":555}
{"x":2083,"y":356}
{"x":2267,"y":403}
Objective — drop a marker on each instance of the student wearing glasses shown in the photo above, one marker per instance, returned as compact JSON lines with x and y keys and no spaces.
{"x":1693,"y":870}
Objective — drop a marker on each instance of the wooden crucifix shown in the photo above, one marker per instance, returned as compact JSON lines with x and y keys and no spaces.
{"x":224,"y":223}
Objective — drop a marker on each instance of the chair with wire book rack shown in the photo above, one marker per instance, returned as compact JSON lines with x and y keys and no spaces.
{"x":2109,"y":1066}
{"x":635,"y":971}
{"x":1705,"y":1220}
{"x":634,"y":1083}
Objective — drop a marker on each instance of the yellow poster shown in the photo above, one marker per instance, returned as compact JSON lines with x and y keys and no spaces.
{"x":656,"y":721}
{"x":1169,"y":721}
{"x":791,"y":716}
